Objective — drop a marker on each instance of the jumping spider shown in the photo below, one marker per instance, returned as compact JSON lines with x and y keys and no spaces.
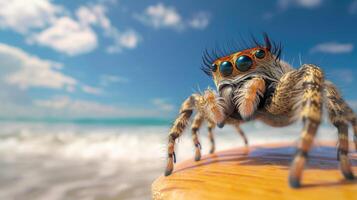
{"x":254,"y":84}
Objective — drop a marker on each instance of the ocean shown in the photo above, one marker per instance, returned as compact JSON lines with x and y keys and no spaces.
{"x":105,"y":159}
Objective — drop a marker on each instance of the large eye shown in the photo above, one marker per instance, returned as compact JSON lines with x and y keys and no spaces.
{"x":226,"y":68}
{"x":244,"y":63}
{"x":214,"y":67}
{"x":260,"y":54}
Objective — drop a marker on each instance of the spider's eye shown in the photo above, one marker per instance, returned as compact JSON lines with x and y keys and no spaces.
{"x":214,"y":67}
{"x":226,"y":68}
{"x":260,"y":54}
{"x":244,"y":63}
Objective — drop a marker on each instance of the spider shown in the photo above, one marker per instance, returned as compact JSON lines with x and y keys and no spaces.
{"x":255,"y":84}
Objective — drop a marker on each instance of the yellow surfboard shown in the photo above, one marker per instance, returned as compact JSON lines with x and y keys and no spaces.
{"x":260,"y":172}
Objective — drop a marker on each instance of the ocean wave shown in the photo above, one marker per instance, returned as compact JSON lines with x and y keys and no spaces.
{"x":127,"y":143}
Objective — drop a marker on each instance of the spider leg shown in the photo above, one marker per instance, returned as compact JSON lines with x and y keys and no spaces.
{"x":241,"y":133}
{"x":196,"y":124}
{"x":354,"y":125}
{"x":340,"y":114}
{"x":310,"y":112}
{"x":207,"y":107}
{"x":176,"y":130}
{"x":211,"y":126}
{"x":342,"y":152}
{"x":352,"y":118}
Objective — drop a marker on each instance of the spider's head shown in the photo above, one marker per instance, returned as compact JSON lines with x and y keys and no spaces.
{"x":232,"y":67}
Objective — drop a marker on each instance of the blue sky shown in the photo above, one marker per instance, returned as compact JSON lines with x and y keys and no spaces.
{"x":119,"y":58}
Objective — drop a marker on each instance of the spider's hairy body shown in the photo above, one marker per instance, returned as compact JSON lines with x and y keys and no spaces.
{"x":254,"y":84}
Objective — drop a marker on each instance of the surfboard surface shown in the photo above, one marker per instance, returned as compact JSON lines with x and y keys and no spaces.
{"x":258,"y":172}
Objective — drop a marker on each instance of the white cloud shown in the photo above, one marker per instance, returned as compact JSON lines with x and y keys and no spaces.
{"x":123,"y":40}
{"x":92,"y":90}
{"x":68,"y":107}
{"x":159,"y":16}
{"x":163,"y":105}
{"x":23,"y":15}
{"x":332,"y":48}
{"x":129,"y":39}
{"x":105,"y":80}
{"x":20,"y":105}
{"x":67,"y":36}
{"x":93,"y":15}
{"x":162,"y":16}
{"x":65,"y":105}
{"x":284,"y":5}
{"x":25,"y":70}
{"x":352,"y":9}
{"x":200,"y":20}
{"x":310,"y":4}
{"x":47,"y":24}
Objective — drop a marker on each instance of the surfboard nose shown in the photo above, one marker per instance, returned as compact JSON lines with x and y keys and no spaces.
{"x":262,"y":174}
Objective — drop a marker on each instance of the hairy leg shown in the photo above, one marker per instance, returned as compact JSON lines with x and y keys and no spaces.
{"x":354,"y":125}
{"x":208,"y":105}
{"x":242,"y":134}
{"x":196,"y":124}
{"x":340,"y":114}
{"x":310,"y":112}
{"x":176,"y":130}
{"x":211,"y":126}
{"x":342,"y":151}
{"x":352,"y":118}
